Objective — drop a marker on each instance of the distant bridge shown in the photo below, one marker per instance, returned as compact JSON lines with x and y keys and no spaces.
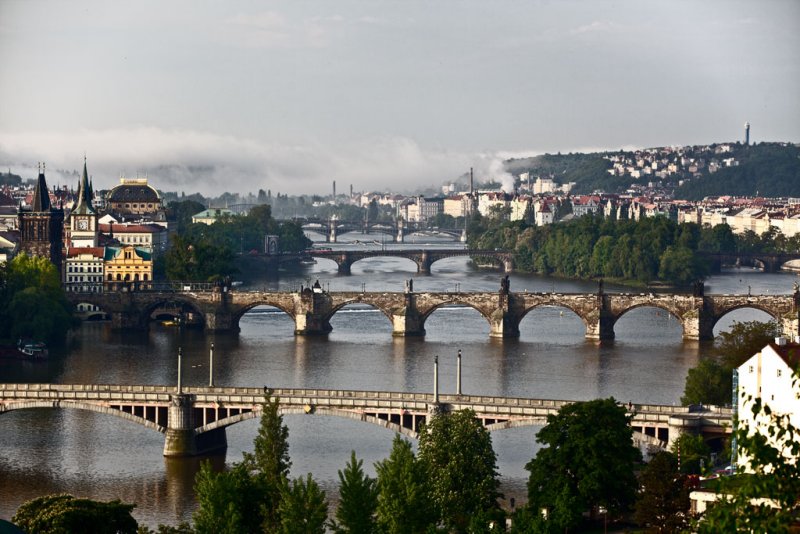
{"x":770,"y":262}
{"x":333,"y":228}
{"x":311,"y":309}
{"x":194,"y":419}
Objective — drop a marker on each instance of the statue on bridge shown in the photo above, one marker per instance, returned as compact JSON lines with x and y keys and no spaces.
{"x":698,"y":288}
{"x":410,"y":285}
{"x":600,"y":287}
{"x":505,"y":285}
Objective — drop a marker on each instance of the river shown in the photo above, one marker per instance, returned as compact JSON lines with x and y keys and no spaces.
{"x":101,"y":457}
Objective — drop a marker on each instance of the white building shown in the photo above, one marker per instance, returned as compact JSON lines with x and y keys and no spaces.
{"x":83,"y":270}
{"x":770,"y":375}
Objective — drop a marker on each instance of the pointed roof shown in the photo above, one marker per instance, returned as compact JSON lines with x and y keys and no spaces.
{"x":83,"y":205}
{"x":41,"y":197}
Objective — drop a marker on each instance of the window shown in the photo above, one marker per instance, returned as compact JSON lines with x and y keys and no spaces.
{"x":750,"y":369}
{"x":779,"y":373}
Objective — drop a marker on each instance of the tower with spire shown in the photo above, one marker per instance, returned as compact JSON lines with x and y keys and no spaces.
{"x":41,"y":226}
{"x":83,"y":229}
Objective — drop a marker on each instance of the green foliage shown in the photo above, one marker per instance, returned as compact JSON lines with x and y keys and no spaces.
{"x":710,"y":382}
{"x":768,"y":498}
{"x":303,"y":509}
{"x":32,"y":302}
{"x":403,"y":502}
{"x":586,"y":462}
{"x":228,"y":501}
{"x":61,"y":514}
{"x":594,"y":247}
{"x":247,"y":497}
{"x":269,"y":463}
{"x":767,"y":169}
{"x":181,"y":212}
{"x":358,"y":499}
{"x":743,"y":340}
{"x":456,"y":453}
{"x":693,"y":454}
{"x":663,"y":503}
{"x":203,"y":252}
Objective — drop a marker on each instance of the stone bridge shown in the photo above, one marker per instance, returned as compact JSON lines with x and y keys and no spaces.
{"x":770,"y":262}
{"x":311,"y":309}
{"x":194,"y":419}
{"x":332,"y":228}
{"x":423,"y":258}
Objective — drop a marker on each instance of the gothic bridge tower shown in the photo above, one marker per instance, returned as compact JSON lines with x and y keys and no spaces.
{"x":41,"y":226}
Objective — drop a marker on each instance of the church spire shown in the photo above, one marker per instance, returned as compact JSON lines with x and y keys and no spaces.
{"x":41,"y":197}
{"x":84,"y":203}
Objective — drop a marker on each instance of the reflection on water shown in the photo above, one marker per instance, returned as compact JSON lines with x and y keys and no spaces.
{"x":89,"y":454}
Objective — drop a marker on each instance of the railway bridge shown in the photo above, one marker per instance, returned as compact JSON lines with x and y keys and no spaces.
{"x":194,"y":419}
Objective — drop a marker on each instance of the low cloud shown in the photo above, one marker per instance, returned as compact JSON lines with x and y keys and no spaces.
{"x":192,"y":161}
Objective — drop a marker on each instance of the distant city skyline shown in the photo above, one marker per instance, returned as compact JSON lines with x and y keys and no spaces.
{"x":289,"y":96}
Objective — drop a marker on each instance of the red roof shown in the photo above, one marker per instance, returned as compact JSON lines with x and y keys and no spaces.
{"x":131,"y":228}
{"x":94,"y":251}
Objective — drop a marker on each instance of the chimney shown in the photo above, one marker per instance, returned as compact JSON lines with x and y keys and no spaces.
{"x":334,"y":190}
{"x":470,"y":182}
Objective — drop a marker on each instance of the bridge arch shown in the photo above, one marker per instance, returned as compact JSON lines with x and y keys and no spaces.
{"x":572,"y":313}
{"x":317,"y":410}
{"x":279,"y":305}
{"x":89,"y":310}
{"x":87,"y":406}
{"x":377,"y":254}
{"x":176,"y":302}
{"x":775,"y":315}
{"x":455,"y":301}
{"x":359,"y":300}
{"x":673,"y":312}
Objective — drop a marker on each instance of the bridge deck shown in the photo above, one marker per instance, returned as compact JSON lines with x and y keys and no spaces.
{"x":484,"y":405}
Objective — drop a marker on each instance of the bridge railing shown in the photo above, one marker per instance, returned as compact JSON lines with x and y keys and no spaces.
{"x":138,"y":286}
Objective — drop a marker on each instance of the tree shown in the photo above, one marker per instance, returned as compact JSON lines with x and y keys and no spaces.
{"x":456,"y":453}
{"x":707,"y":383}
{"x":663,"y":504}
{"x":767,"y":498}
{"x":743,"y":340}
{"x":228,"y":501}
{"x":711,"y":381}
{"x":32,"y":301}
{"x":403,"y":503}
{"x":270,"y":463}
{"x":303,"y":509}
{"x":692,"y":452}
{"x":58,"y":514}
{"x":586,"y":462}
{"x":358,"y":499}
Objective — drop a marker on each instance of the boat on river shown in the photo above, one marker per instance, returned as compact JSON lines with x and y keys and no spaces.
{"x":25,"y":350}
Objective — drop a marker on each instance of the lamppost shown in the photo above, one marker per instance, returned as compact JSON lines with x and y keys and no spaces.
{"x":458,"y":373}
{"x":211,"y":366}
{"x":180,"y":357}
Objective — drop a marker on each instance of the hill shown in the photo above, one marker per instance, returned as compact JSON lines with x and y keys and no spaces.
{"x":690,"y":172}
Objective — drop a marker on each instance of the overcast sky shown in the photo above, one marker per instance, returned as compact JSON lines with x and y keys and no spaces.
{"x":290,"y":95}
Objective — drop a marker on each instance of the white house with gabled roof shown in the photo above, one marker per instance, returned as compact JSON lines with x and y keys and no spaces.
{"x":770,"y":374}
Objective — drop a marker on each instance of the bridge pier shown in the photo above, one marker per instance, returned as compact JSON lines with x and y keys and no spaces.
{"x":424,"y":263}
{"x":127,"y":321}
{"x":508,"y":265}
{"x":401,"y":237}
{"x":181,"y":438}
{"x":407,"y":321}
{"x":221,"y":321}
{"x":504,"y":321}
{"x":698,"y":326}
{"x":312,"y":313}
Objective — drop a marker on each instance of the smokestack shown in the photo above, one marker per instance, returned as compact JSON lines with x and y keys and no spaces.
{"x":351,"y":190}
{"x":334,"y":190}
{"x":747,"y":133}
{"x":470,"y":182}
